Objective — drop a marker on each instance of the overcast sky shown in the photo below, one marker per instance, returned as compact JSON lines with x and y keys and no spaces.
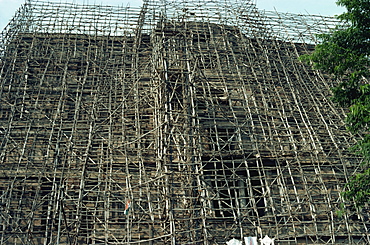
{"x":323,"y":7}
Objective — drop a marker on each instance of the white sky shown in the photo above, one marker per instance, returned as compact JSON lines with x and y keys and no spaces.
{"x":323,"y":7}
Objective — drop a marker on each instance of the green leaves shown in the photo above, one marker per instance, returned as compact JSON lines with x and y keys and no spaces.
{"x":345,"y":93}
{"x":359,"y":189}
{"x":357,"y":12}
{"x":363,"y":148}
{"x":358,"y":119}
{"x":345,"y":53}
{"x":342,"y":54}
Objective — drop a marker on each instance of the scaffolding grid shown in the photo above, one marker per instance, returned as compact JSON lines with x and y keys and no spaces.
{"x":187,"y":122}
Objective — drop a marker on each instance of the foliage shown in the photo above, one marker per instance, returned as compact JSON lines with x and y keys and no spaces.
{"x":359,"y":188}
{"x":345,"y":53}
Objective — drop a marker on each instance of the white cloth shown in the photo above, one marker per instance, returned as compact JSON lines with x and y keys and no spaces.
{"x":267,"y":241}
{"x":250,"y":240}
{"x":234,"y":242}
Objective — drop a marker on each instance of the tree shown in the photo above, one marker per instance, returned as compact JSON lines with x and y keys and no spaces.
{"x":345,"y":53}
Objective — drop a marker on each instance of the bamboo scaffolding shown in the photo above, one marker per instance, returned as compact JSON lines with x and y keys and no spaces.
{"x":187,"y":122}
